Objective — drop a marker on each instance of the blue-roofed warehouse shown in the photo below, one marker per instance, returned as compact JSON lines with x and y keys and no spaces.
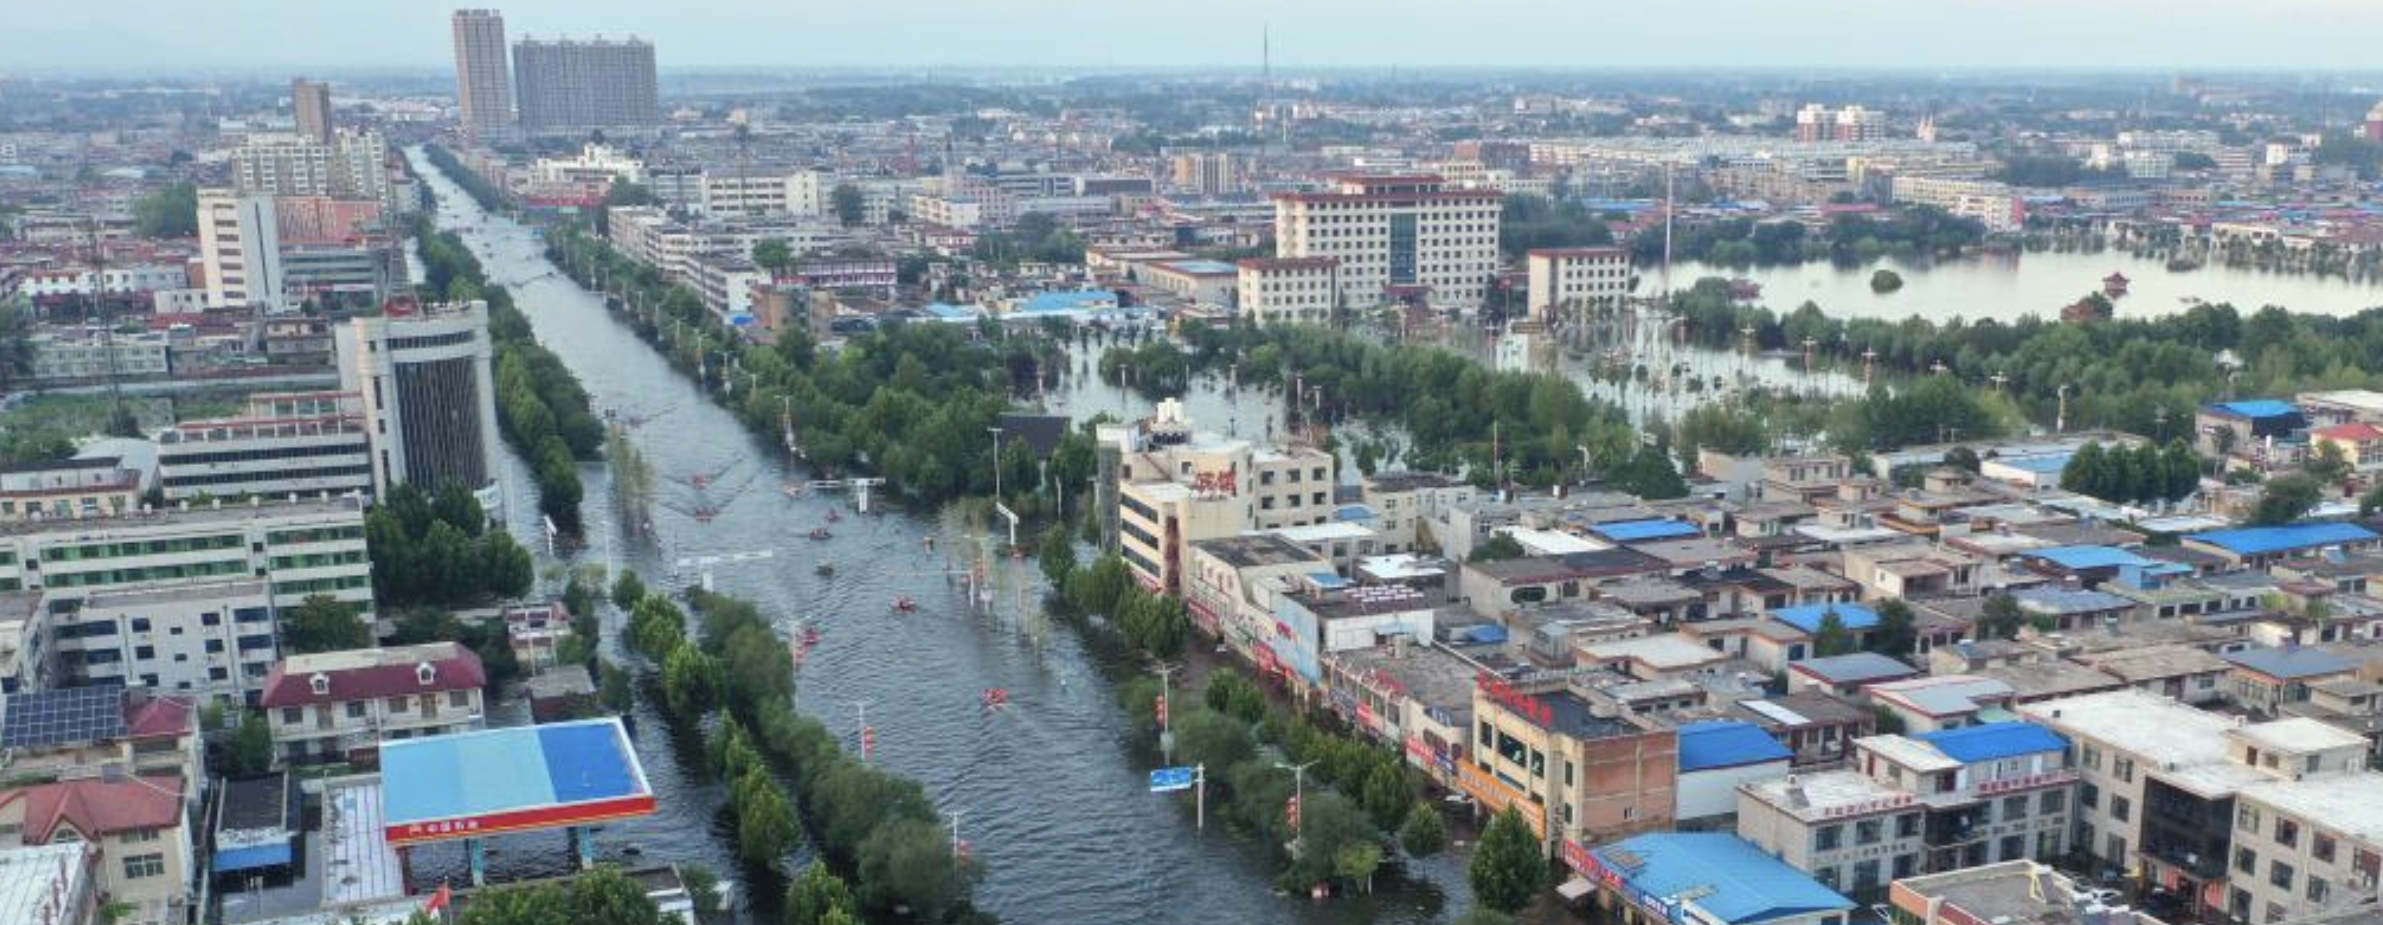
{"x":2252,"y":422}
{"x":1993,"y":741}
{"x":1718,"y":755}
{"x":2258,"y":546}
{"x":1809,"y":616}
{"x":1681,"y":877}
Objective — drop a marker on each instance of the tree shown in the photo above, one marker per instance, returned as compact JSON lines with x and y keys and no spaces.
{"x":1356,"y":862}
{"x":817,"y":894}
{"x":690,"y":682}
{"x":603,"y":896}
{"x":2000,"y":618}
{"x":323,"y":623}
{"x":850,"y":205}
{"x":1963,"y":458}
{"x":2371,"y":502}
{"x":1497,"y":547}
{"x":2286,"y":498}
{"x":1507,"y":869}
{"x":2328,"y":464}
{"x":1832,"y":638}
{"x":1896,"y":634}
{"x":1057,"y":555}
{"x":627,"y":590}
{"x":615,"y":690}
{"x":773,"y":255}
{"x":1424,"y":833}
{"x":172,"y":212}
{"x":251,"y":751}
{"x":703,"y":889}
{"x":624,"y":193}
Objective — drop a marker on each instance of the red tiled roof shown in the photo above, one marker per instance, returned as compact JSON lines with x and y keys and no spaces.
{"x":291,"y":685}
{"x":157,"y":717}
{"x":97,"y":807}
{"x":2355,"y":432}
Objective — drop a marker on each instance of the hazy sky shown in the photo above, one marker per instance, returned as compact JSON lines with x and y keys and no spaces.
{"x":290,"y":35}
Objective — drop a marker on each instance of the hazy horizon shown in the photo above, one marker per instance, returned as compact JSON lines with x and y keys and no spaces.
{"x":265,"y":36}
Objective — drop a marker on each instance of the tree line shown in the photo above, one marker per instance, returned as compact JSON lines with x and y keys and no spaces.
{"x":474,"y":185}
{"x":541,"y":407}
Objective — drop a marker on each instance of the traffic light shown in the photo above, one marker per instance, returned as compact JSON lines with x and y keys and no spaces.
{"x":1291,"y":813}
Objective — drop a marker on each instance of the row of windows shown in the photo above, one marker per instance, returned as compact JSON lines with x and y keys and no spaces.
{"x":128,"y":548}
{"x":121,"y":576}
{"x":316,"y":534}
{"x":356,"y":709}
{"x":321,"y":585}
{"x":351,"y":448}
{"x":430,"y":340}
{"x":320,"y":559}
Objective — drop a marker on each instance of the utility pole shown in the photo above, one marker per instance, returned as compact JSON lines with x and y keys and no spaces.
{"x":1298,"y":801}
{"x":868,"y":735}
{"x":959,"y":848}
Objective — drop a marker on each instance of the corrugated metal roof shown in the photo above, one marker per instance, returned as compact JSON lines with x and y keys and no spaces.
{"x":1632,"y":531}
{"x":1808,"y":617}
{"x":1727,"y":744}
{"x":2291,"y":663}
{"x":1993,"y":741}
{"x":1726,"y":876}
{"x":2253,"y":541}
{"x":2258,"y":407}
{"x":2077,"y":558}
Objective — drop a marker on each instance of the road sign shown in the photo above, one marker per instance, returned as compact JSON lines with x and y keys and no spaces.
{"x":1164,"y":780}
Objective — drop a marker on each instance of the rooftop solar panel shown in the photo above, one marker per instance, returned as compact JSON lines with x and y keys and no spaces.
{"x":42,"y":719}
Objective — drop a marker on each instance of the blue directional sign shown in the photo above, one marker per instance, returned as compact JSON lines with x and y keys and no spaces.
{"x":1167,"y":779}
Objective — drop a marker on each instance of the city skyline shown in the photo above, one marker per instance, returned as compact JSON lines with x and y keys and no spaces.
{"x":129,"y":35}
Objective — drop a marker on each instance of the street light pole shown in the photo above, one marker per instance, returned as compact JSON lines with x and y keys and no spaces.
{"x":955,"y":815}
{"x":996,"y":432}
{"x":1298,"y":799}
{"x":1166,"y":710}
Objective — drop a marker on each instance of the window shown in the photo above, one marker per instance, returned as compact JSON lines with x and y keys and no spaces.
{"x":1826,"y":837}
{"x":2321,"y":845}
{"x":1865,"y":876}
{"x":2014,"y":847}
{"x":399,"y":704}
{"x":2287,"y":833}
{"x":355,"y":709}
{"x":1907,"y":826}
{"x":459,"y":699}
{"x":2317,"y":889}
{"x":2054,"y":801}
{"x":1868,"y":831}
{"x":2279,"y":874}
{"x":2124,"y":768}
{"x":2246,"y":818}
{"x":292,"y":715}
{"x":2014,"y":808}
{"x":143,"y":866}
{"x":2091,"y":759}
{"x":2119,"y":808}
{"x":2090,"y":797}
{"x":139,"y":836}
{"x":2246,"y":860}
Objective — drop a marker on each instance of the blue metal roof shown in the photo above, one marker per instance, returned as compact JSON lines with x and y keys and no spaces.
{"x":1730,"y":878}
{"x":253,"y":857}
{"x":2079,"y":558}
{"x":1807,"y":618}
{"x":1203,"y":266}
{"x":1635,"y":531}
{"x":1727,"y":744}
{"x":1993,"y":741}
{"x":2254,"y":541}
{"x":1078,"y":300}
{"x":2257,"y":408}
{"x":2295,"y":662}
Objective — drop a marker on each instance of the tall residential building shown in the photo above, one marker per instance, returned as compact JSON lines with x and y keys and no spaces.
{"x":283,"y":165}
{"x":429,"y":394}
{"x":1176,"y":486}
{"x":310,"y":103}
{"x":1289,"y":291}
{"x":240,"y":250}
{"x":1398,"y":239}
{"x":483,"y":84}
{"x":569,"y":84}
{"x":1209,"y":172}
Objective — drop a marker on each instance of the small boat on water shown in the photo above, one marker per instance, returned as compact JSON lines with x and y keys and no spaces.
{"x":824,"y":570}
{"x":905,"y":604}
{"x":820,"y":533}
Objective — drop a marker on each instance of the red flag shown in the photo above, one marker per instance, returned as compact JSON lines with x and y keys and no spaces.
{"x":438,"y":901}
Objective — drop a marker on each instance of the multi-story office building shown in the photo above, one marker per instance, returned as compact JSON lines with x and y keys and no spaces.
{"x":1289,"y":290}
{"x":570,"y":84}
{"x":240,"y":250}
{"x":1209,"y":173}
{"x":70,"y":355}
{"x":483,"y":82}
{"x":1577,"y":280}
{"x":1991,"y":202}
{"x":1398,"y":239}
{"x":301,"y":549}
{"x":283,"y":165}
{"x":1176,"y":485}
{"x":429,"y":395}
{"x":795,"y":192}
{"x":330,"y":705}
{"x":310,"y":105}
{"x":282,"y":443}
{"x":215,"y":641}
{"x":2192,"y":800}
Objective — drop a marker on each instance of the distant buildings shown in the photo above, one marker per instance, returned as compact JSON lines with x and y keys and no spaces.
{"x":483,"y":84}
{"x":1816,"y":122}
{"x":571,"y":84}
{"x":302,"y":443}
{"x":1209,"y":173}
{"x":1398,"y":239}
{"x":300,"y":549}
{"x":240,"y":250}
{"x":429,"y":391}
{"x":1289,"y":290}
{"x":1176,"y":486}
{"x":310,"y":106}
{"x":1576,"y":280}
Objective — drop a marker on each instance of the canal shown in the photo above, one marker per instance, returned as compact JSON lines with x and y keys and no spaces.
{"x":1051,"y":791}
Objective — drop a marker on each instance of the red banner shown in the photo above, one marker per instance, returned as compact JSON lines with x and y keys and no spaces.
{"x":544,"y":817}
